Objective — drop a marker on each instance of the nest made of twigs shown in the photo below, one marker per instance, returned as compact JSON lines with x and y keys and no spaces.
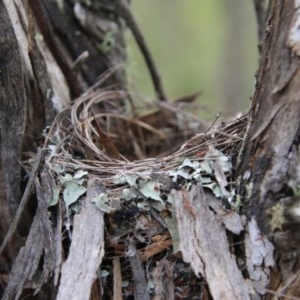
{"x":104,"y":133}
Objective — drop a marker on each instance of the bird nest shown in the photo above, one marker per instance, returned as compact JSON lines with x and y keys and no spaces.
{"x":106,"y":134}
{"x":139,"y":159}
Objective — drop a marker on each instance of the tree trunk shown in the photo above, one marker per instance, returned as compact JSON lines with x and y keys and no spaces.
{"x":269,"y":161}
{"x":12,"y":125}
{"x":50,"y":52}
{"x":136,"y":211}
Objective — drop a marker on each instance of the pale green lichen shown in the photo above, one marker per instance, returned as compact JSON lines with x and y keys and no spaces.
{"x":276,"y":215}
{"x":108,"y":42}
{"x":102,"y":202}
{"x":60,"y":4}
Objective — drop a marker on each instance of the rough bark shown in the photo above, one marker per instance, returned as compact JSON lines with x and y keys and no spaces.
{"x":13,"y":104}
{"x":42,"y":70}
{"x":269,"y":165}
{"x":204,"y":244}
{"x":39,"y":244}
{"x":87,"y":249}
{"x":36,"y":78}
{"x":96,"y":29}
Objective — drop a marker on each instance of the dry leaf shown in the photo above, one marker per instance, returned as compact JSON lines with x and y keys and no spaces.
{"x":107,"y":143}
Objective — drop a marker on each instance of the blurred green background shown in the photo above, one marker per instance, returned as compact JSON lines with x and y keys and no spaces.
{"x":208,"y":45}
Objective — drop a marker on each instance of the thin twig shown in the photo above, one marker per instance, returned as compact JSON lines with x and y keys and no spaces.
{"x":214,"y":122}
{"x":260,"y":9}
{"x":139,"y":276}
{"x":125,"y":13}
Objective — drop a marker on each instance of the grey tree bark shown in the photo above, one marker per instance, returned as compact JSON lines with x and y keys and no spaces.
{"x":44,"y":67}
{"x":269,"y":160}
{"x":48,"y":51}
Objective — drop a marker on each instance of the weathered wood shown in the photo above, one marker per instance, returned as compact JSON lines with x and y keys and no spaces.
{"x":86,"y":251}
{"x":12,"y":123}
{"x":39,"y":243}
{"x":269,"y":171}
{"x":204,"y":244}
{"x":94,"y":27}
{"x":45,"y":86}
{"x":48,"y":35}
{"x":269,"y":166}
{"x":32,"y":90}
{"x":138,"y":273}
{"x":117,"y":279}
{"x":163,"y":281}
{"x":12,"y":111}
{"x":17,"y":218}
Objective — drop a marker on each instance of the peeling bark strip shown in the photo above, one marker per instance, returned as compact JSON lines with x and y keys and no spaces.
{"x":39,"y":243}
{"x":48,"y":35}
{"x":259,"y":257}
{"x":117,"y":279}
{"x":25,"y":198}
{"x":87,"y":249}
{"x":101,"y":34}
{"x":204,"y":244}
